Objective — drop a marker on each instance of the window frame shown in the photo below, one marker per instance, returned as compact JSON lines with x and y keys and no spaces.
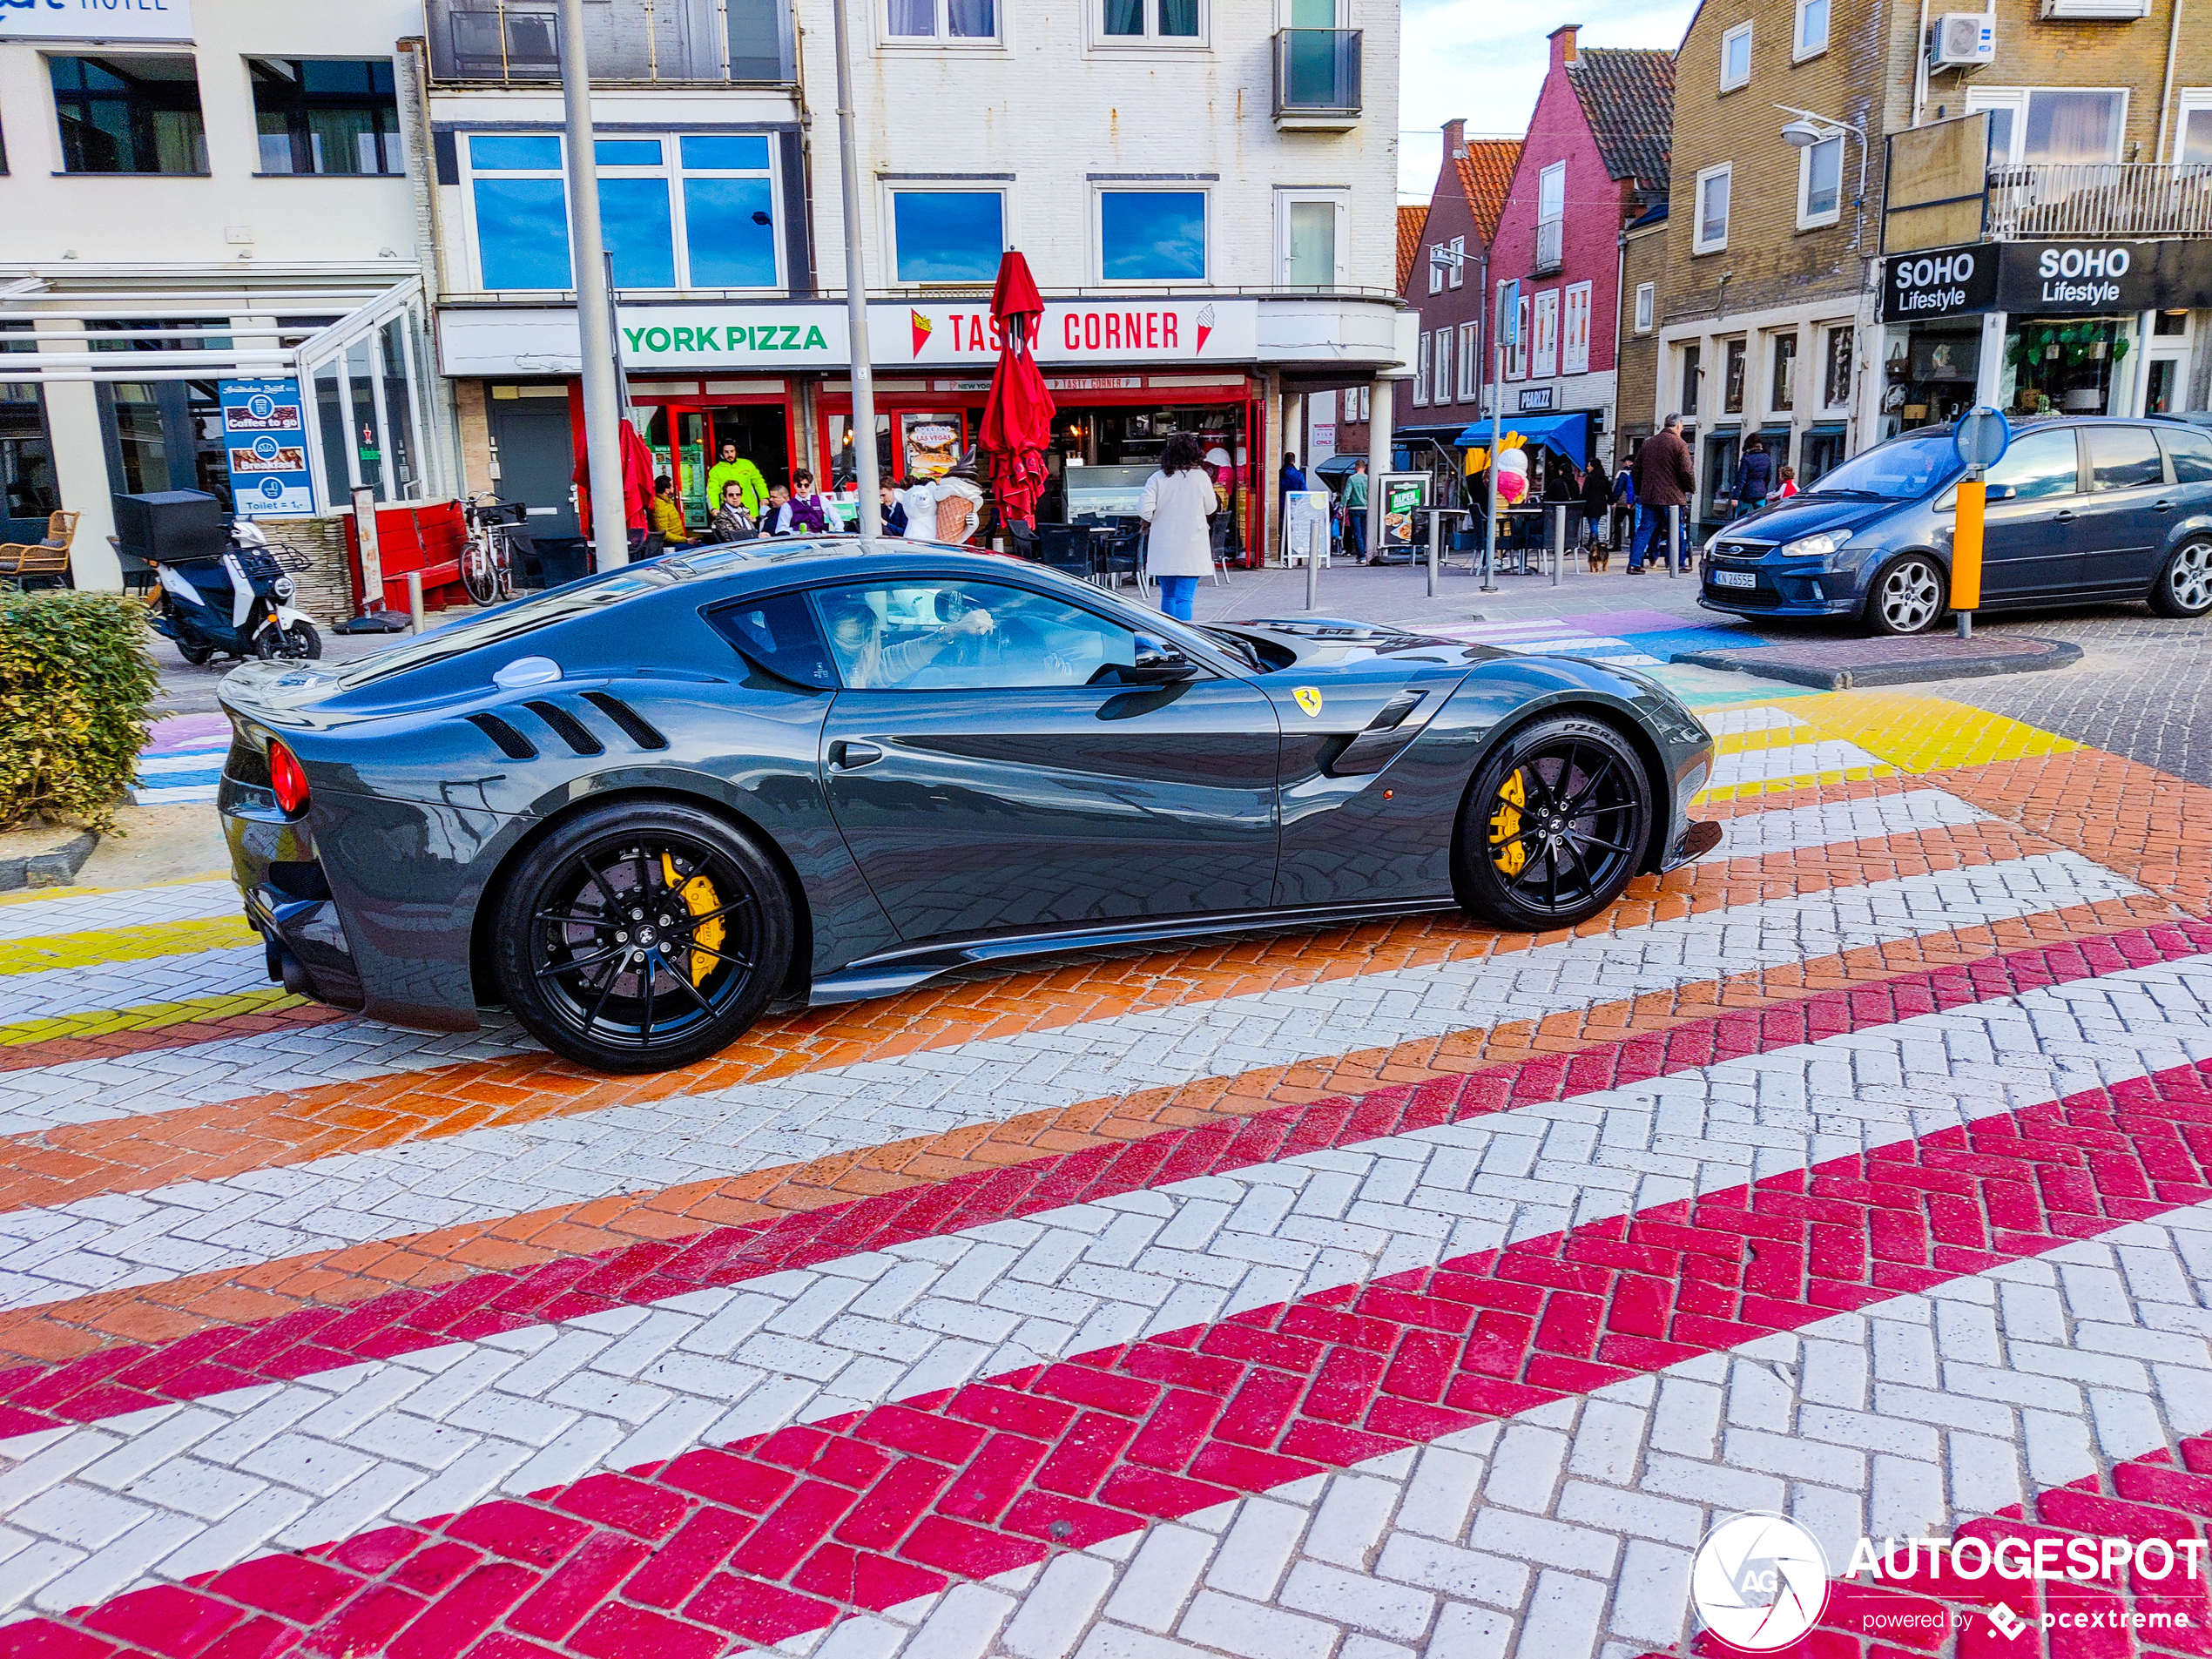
{"x":391,"y":145}
{"x":1435,"y":274}
{"x":57,"y":94}
{"x":1646,"y":308}
{"x":1541,"y":353}
{"x":1202,"y":189}
{"x":1828,"y":334}
{"x":1151,"y":40}
{"x":1799,"y":51}
{"x":894,"y":188}
{"x":1729,"y":38}
{"x":1735,"y":374}
{"x":1776,"y":383}
{"x":1458,"y":266}
{"x":1807,"y":219}
{"x":671,"y":169}
{"x":1689,"y":375}
{"x":1724,"y":171}
{"x":2081,"y":463}
{"x":943,"y":39}
{"x":1339,"y":201}
{"x":1568,"y":350}
{"x":1420,"y":371}
{"x":2020,"y":100}
{"x":1470,"y":361}
{"x":1441,"y":390}
{"x":2190,"y":100}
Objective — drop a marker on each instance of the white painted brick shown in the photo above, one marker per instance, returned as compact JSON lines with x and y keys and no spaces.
{"x":1465,"y":1632}
{"x":1441,"y":1493}
{"x":1547,"y":1542}
{"x":1359,"y":1600}
{"x":1258,"y":1547}
{"x":1253,"y":1631}
{"x":1159,"y":1581}
{"x":1652,"y":1594}
{"x":1058,"y":1608}
{"x":1525,"y":1468}
{"x":1352,"y":1519}
{"x":1563,"y":1614}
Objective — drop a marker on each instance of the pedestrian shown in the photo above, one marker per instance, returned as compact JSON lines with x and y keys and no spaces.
{"x":775,"y":518}
{"x":731,"y":466}
{"x":1178,"y":501}
{"x":731,"y":521}
{"x":1291,"y":478}
{"x":1355,"y":511}
{"x":1624,"y":503}
{"x":664,"y":514}
{"x":1754,"y":477}
{"x":809,"y":511}
{"x":891,"y":494}
{"x":1597,"y":505}
{"x":1664,"y":478}
{"x":1789,"y":475}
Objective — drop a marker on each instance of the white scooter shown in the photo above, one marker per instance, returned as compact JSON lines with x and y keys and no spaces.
{"x":238,"y":603}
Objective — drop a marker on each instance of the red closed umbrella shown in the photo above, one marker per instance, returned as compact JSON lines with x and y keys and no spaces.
{"x":1017,"y":421}
{"x":636,"y":482}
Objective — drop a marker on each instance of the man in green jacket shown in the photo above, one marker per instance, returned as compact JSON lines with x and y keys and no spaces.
{"x":733,"y":469}
{"x":1355,"y":511}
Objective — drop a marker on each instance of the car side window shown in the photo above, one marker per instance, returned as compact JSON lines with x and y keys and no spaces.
{"x":2040,"y":464}
{"x":779,"y":634}
{"x":2191,"y":452}
{"x":2123,"y":457}
{"x":918,"y":634}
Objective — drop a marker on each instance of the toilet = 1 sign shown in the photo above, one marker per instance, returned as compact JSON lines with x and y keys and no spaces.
{"x":264,"y":441}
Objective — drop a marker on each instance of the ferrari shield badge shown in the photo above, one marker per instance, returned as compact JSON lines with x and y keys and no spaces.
{"x":1308,"y":698}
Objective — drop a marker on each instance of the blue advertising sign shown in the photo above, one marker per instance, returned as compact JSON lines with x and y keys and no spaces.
{"x":265,"y":431}
{"x":1509,"y":313}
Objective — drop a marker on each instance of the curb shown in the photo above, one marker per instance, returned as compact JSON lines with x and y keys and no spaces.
{"x":55,"y":867}
{"x":1773,"y":662}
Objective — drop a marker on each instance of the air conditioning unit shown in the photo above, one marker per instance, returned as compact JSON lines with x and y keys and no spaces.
{"x":1962,"y":39}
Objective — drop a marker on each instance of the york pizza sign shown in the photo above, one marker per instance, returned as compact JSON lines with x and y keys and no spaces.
{"x":727,"y":336}
{"x":2046,"y":278}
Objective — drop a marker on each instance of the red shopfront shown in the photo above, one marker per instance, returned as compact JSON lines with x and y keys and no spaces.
{"x":686,"y":421}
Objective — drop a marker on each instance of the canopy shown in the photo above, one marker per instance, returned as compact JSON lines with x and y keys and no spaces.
{"x":1018,"y":421}
{"x":1568,"y":434}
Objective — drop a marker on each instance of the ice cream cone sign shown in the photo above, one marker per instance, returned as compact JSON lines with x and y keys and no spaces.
{"x":1205,"y":325}
{"x":1513,"y":471}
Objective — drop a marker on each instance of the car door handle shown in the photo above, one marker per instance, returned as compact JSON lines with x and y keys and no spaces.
{"x":2064,"y":516}
{"x":850,"y":757}
{"x":2162,"y":506}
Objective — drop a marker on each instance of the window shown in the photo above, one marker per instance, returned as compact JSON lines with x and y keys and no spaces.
{"x":947,"y":235}
{"x":1783,"y":388}
{"x":1420,"y":370}
{"x":2122,"y":457}
{"x":1152,"y":235}
{"x":1312,"y":250}
{"x":2193,"y":136}
{"x":1125,"y":22}
{"x":1459,"y":249}
{"x":688,"y":211}
{"x":1575,"y":340}
{"x":2039,"y":465}
{"x":1710,"y":233}
{"x":968,"y":636}
{"x":779,"y":634}
{"x":2191,"y":452}
{"x":326,"y":115}
{"x":1820,"y":183}
{"x":1835,"y":375}
{"x":1435,"y":271}
{"x":1470,"y":361}
{"x":1551,"y":216}
{"x":129,"y":115}
{"x":1544,"y":346}
{"x":1732,"y":376}
{"x":1647,"y":302}
{"x":1692,"y":372}
{"x":1736,"y":56}
{"x":1813,"y":28}
{"x":2032,"y":125}
{"x":28,"y":487}
{"x":942,"y":20}
{"x":1442,"y":380}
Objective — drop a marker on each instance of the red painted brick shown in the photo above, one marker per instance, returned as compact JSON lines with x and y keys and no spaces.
{"x":579,"y":1584}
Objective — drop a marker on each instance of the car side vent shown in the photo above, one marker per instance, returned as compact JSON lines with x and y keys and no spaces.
{"x":246,"y":764}
{"x":640,"y":731}
{"x":512,"y":744}
{"x":567,"y":728}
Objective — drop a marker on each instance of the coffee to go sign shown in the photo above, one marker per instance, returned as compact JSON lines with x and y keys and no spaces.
{"x":2048,"y":279}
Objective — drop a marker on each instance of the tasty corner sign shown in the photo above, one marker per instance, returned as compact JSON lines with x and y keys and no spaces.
{"x":95,"y":20}
{"x":2048,"y":279}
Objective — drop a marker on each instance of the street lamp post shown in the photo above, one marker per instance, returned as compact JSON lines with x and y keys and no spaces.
{"x":1810,"y":129}
{"x":867,"y":509}
{"x":603,"y":393}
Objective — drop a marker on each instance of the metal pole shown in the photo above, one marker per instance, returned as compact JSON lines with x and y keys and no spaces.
{"x":594,"y":313}
{"x":1674,"y":539}
{"x":1435,"y":545}
{"x":1312,"y":560}
{"x":867,"y":517}
{"x":1559,"y":540}
{"x":1497,"y":405}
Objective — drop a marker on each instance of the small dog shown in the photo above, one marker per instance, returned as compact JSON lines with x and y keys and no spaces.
{"x":1599,"y":555}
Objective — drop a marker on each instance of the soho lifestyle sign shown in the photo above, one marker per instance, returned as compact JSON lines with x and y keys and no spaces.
{"x":2049,"y":279}
{"x":96,"y":19}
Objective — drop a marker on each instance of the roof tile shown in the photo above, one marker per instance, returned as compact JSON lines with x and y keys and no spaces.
{"x":1411,"y":222}
{"x":1485,"y":174}
{"x":1628,"y":98}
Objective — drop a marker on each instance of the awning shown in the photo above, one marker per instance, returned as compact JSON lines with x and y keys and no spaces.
{"x":1569,"y":434}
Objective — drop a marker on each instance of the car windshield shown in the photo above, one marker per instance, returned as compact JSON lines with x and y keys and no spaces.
{"x":1903,"y":469}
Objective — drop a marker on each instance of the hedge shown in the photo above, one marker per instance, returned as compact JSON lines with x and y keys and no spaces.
{"x":76,"y":686}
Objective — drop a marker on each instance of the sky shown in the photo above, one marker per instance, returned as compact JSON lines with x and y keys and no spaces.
{"x":1485,"y":59}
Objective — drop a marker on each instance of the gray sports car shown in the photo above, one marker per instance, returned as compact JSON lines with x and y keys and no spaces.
{"x":641,"y":809}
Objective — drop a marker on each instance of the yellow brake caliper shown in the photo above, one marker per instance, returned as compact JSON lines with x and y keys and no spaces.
{"x":699,"y":896}
{"x":1507,"y":851}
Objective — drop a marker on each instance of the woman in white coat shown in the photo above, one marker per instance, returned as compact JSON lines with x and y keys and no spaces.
{"x":1178,"y":501}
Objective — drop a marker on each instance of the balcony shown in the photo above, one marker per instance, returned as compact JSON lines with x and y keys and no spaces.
{"x":1316,"y":80}
{"x":1550,"y":246}
{"x":2100,"y":201}
{"x":683,"y":42}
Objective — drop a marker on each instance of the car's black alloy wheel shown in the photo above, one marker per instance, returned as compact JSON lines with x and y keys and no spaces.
{"x":1907,"y":595}
{"x":641,"y":937}
{"x":1556,"y":824}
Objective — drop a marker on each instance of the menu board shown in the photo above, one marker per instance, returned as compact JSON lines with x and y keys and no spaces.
{"x":1399,"y":497}
{"x":930,"y":443}
{"x":265,"y":440}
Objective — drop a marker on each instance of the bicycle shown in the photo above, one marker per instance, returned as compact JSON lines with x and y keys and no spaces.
{"x":488,"y":561}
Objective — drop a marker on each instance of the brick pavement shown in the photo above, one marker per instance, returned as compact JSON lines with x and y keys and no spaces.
{"x":1353,"y":1293}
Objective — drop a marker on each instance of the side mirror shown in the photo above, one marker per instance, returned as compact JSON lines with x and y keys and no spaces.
{"x":1156,"y":664}
{"x":2000,"y":492}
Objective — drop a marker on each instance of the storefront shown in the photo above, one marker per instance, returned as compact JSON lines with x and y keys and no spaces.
{"x":2044,"y":329}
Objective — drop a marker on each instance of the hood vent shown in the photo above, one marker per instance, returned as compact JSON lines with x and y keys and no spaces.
{"x":639,"y":729}
{"x":567,"y":728}
{"x":512,"y":744}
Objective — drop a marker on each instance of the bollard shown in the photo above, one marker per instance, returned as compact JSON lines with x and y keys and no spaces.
{"x":1313,"y":572}
{"x":1674,"y":541}
{"x":1435,"y":545}
{"x":414,"y":598}
{"x":1966,"y":550}
{"x":1559,"y":540}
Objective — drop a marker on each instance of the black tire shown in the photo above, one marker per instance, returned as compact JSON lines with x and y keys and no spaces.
{"x":195,"y":652}
{"x":1906,"y":595}
{"x":568,"y":935}
{"x":1556,"y":824}
{"x":2183,"y":586}
{"x":299,"y":642}
{"x":479,"y":578}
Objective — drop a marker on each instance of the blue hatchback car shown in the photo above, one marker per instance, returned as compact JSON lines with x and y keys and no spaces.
{"x":2083,"y":509}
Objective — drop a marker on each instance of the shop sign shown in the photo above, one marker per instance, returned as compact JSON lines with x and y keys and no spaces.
{"x":1094,"y":383}
{"x":265,"y":435}
{"x":661,"y":337}
{"x":1072,"y":330}
{"x":95,"y":20}
{"x":1940,"y":282}
{"x":2056,"y":278}
{"x":1535,"y":397}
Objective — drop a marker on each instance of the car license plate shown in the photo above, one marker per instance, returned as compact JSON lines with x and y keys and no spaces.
{"x":1735,"y":579}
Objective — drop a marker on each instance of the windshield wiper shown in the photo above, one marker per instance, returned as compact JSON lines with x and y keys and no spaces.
{"x":1241,"y":647}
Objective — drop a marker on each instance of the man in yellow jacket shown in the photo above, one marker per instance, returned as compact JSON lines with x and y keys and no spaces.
{"x":665,"y":514}
{"x":733,"y":469}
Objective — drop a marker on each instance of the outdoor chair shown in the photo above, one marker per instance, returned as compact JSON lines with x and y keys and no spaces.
{"x":1066,"y":548}
{"x":45,"y":562}
{"x":1119,"y":555}
{"x":1218,"y":536}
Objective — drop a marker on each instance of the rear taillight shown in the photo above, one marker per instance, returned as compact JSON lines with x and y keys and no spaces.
{"x":288,"y":779}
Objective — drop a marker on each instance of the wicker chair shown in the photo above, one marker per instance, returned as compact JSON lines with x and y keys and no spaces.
{"x":46,"y":561}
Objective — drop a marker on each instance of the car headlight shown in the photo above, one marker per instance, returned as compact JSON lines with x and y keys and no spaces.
{"x":1812,"y":547}
{"x":284,"y":587}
